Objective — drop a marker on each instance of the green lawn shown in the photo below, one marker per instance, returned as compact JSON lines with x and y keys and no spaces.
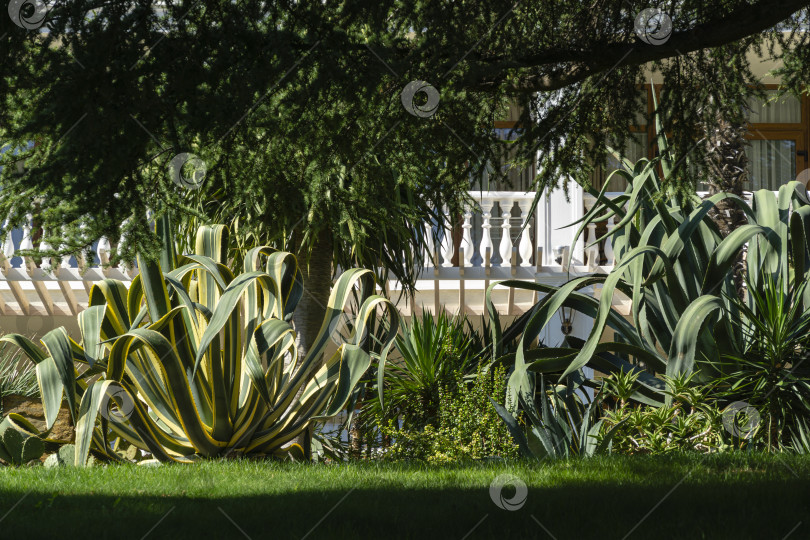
{"x":731,"y":496}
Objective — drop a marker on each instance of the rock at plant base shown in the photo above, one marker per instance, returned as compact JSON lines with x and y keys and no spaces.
{"x":31,"y":409}
{"x":64,"y":457}
{"x":129,"y":452}
{"x":132,"y":453}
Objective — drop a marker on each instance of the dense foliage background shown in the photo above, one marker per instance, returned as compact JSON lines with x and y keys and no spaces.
{"x":295,"y":108}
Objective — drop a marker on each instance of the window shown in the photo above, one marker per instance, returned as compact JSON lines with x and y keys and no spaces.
{"x":777,"y":137}
{"x":779,"y":128}
{"x":773,"y":110}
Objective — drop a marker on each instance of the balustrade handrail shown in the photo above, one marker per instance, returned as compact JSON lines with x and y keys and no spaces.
{"x":515,"y":195}
{"x":508,"y":252}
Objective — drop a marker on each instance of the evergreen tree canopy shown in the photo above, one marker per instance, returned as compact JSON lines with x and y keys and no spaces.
{"x":304,"y":117}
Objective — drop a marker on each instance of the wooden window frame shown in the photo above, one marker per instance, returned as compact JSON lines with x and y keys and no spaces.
{"x":798,"y":131}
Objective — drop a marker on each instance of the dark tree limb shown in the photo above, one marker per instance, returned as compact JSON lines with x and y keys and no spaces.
{"x":742,"y":22}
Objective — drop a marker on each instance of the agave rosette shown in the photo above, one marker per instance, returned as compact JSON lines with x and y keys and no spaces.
{"x":200,"y":362}
{"x":676,"y":268}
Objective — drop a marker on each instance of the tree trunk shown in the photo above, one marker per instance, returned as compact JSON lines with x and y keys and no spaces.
{"x":728,"y":171}
{"x":311,"y":310}
{"x":356,"y":435}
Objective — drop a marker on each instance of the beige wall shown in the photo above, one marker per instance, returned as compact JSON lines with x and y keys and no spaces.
{"x":36,"y":326}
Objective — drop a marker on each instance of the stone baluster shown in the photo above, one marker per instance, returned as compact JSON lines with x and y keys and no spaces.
{"x":429,"y":248}
{"x":592,"y":251}
{"x":609,"y":242}
{"x":44,"y":246}
{"x":5,"y":265}
{"x":65,"y":263}
{"x":466,"y":239}
{"x":103,"y":251}
{"x":525,"y":245}
{"x":505,"y":247}
{"x":27,"y":243}
{"x":486,"y":233}
{"x":8,"y":245}
{"x":447,"y":244}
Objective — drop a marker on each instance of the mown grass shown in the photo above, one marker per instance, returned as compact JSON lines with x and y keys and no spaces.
{"x":728,"y":496}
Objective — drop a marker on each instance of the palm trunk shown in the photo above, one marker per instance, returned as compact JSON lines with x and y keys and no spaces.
{"x":728,"y":171}
{"x":311,"y":310}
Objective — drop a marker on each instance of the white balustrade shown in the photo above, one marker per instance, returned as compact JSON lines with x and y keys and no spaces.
{"x":36,"y":290}
{"x":57,"y":286}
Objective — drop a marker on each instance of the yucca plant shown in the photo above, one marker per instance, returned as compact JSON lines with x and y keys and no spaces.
{"x":199,"y":362}
{"x":800,"y":438}
{"x":769,"y":371}
{"x":430,"y":352}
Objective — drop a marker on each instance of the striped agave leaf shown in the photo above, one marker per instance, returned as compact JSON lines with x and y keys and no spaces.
{"x":201,"y":362}
{"x":677,"y":270}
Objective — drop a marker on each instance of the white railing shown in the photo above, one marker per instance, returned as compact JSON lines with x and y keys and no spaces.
{"x":50,"y":287}
{"x":494,"y":240}
{"x":497,"y":237}
{"x":490,"y":236}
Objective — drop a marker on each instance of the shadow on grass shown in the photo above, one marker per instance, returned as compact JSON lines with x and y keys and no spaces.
{"x":762,"y":509}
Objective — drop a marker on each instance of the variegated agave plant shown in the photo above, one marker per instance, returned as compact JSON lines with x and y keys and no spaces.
{"x":200,"y":362}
